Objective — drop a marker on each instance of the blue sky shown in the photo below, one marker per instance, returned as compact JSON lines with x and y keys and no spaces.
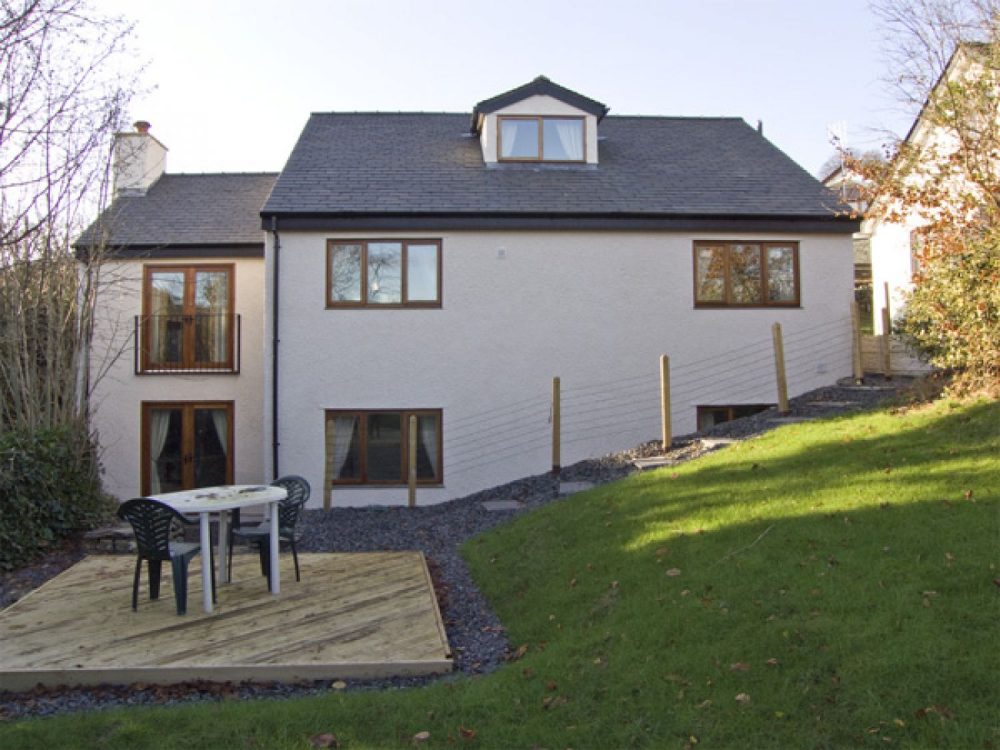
{"x":232,"y":82}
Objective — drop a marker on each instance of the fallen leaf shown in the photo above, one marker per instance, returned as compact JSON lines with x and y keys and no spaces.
{"x":467,"y":734}
{"x":772,"y":662}
{"x":324,"y":740}
{"x":705,"y":704}
{"x":518,"y":653}
{"x":421,"y":737}
{"x":968,"y":494}
{"x":674,"y":572}
{"x":740,"y":666}
{"x":572,"y":583}
{"x":743,"y":698}
{"x":339,"y":685}
{"x":551,"y":686}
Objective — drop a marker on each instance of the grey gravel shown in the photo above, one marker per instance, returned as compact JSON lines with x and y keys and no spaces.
{"x":476,"y":635}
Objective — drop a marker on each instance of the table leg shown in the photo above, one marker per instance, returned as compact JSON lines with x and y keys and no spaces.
{"x":275,"y":567}
{"x":224,"y":547}
{"x":206,"y":562}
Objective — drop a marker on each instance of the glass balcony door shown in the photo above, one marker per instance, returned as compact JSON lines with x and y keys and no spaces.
{"x":186,"y":445}
{"x":188,"y":318}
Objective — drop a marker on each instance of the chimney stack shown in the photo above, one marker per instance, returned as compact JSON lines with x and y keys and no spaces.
{"x":139,"y":160}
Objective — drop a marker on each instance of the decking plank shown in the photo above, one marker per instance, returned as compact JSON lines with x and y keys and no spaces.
{"x":352,"y":615}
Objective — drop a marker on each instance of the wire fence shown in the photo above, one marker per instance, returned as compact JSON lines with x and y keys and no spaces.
{"x":609,"y":410}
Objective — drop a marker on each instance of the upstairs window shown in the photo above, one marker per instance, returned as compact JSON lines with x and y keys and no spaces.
{"x":557,"y":139}
{"x":746,"y":274}
{"x":383,"y":273}
{"x":188,"y":322}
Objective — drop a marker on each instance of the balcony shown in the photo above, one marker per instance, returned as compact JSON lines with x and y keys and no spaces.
{"x":168,"y":344}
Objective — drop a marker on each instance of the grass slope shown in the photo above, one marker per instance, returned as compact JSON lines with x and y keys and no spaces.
{"x":827,"y":585}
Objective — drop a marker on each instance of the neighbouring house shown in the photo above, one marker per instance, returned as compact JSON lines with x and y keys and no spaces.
{"x":422,"y":278}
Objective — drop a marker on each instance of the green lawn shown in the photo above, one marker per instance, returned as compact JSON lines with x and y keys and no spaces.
{"x":827,"y":585}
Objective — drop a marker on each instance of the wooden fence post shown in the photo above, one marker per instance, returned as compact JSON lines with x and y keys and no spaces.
{"x":665,"y":401}
{"x":556,"y":459}
{"x":779,"y":366}
{"x":859,"y":373}
{"x":412,"y":461}
{"x":886,"y":336}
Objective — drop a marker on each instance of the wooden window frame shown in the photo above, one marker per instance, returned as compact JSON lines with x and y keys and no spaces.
{"x":540,"y":158}
{"x":727,"y":283}
{"x":405,"y":414}
{"x":188,"y":362}
{"x":332,"y":304}
{"x":187,"y":436}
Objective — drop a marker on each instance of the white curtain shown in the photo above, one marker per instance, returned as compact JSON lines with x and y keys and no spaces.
{"x":158,"y":428}
{"x":428,"y":437}
{"x":343,"y":434}
{"x":570,"y":134}
{"x":218,"y":337}
{"x":220,"y":418}
{"x":508,"y":136}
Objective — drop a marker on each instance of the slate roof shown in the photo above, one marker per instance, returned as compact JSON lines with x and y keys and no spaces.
{"x":425,"y":163}
{"x":188,"y":209}
{"x":541,"y":86}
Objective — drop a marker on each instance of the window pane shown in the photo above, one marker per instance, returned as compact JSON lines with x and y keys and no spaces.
{"x":428,"y":460}
{"x":346,"y":449}
{"x":744,"y":274}
{"x":211,"y":299}
{"x":345,"y":273}
{"x":422,"y":273}
{"x":211,"y":441}
{"x":385,"y":446}
{"x":165,"y":451}
{"x":166,"y":323}
{"x":710,"y":274}
{"x":781,"y":274}
{"x":519,"y":139}
{"x":562,"y":140}
{"x":385,"y":266}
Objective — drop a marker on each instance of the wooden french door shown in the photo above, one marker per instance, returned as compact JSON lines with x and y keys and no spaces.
{"x":186,"y":444}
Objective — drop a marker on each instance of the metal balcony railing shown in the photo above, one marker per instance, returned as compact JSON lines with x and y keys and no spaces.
{"x":187,"y":343}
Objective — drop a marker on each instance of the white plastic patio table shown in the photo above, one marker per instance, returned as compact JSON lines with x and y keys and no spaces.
{"x":208,"y":500}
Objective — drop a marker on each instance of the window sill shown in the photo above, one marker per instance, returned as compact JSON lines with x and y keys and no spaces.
{"x":188,"y":371}
{"x":711,"y":306}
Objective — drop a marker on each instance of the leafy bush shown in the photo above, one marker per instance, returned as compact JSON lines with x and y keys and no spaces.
{"x":49,"y":488}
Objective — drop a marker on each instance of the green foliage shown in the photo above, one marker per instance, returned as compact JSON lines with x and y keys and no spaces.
{"x":828,"y":585}
{"x":50,"y":489}
{"x":953,"y":312}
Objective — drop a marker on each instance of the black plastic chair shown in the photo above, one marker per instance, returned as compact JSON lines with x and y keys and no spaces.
{"x":289,"y":510}
{"x":152,"y":522}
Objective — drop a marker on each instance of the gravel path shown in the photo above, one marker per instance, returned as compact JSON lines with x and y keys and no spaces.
{"x":474,"y":631}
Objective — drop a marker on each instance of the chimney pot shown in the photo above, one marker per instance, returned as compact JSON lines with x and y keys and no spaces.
{"x":141,"y":126}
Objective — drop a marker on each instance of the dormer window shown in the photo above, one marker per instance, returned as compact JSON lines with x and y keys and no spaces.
{"x":558,"y":139}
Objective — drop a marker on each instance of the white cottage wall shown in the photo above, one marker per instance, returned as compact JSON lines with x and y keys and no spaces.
{"x":118,"y":393}
{"x":596,"y":309}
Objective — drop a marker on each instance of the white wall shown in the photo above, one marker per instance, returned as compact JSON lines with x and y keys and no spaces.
{"x":596,"y":309}
{"x":119,"y":392}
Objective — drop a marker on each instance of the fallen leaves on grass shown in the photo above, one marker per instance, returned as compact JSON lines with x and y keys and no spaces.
{"x":421,"y":737}
{"x":324,"y":740}
{"x":518,"y":653}
{"x":739,"y":666}
{"x":466,"y":733}
{"x":943,"y":711}
{"x":743,"y":698}
{"x":674,"y":572}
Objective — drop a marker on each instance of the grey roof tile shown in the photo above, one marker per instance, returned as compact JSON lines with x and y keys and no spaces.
{"x":188,"y":209}
{"x":412,"y":163}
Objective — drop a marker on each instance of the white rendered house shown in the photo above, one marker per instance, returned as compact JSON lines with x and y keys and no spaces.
{"x":446,"y":268}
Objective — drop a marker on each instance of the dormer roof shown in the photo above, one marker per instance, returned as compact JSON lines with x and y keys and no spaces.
{"x":541,"y":86}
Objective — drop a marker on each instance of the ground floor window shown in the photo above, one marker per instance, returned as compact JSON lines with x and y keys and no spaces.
{"x":186,"y":444}
{"x":709,"y":416}
{"x":366,"y":447}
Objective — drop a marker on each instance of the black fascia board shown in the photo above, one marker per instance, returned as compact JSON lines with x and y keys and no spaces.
{"x":168,"y":251}
{"x":541,"y":86}
{"x":796,"y":224}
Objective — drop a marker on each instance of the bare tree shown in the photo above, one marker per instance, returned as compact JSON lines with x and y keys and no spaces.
{"x":65,"y":80}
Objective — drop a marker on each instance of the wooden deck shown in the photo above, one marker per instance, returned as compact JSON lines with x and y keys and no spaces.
{"x":352,"y":616}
